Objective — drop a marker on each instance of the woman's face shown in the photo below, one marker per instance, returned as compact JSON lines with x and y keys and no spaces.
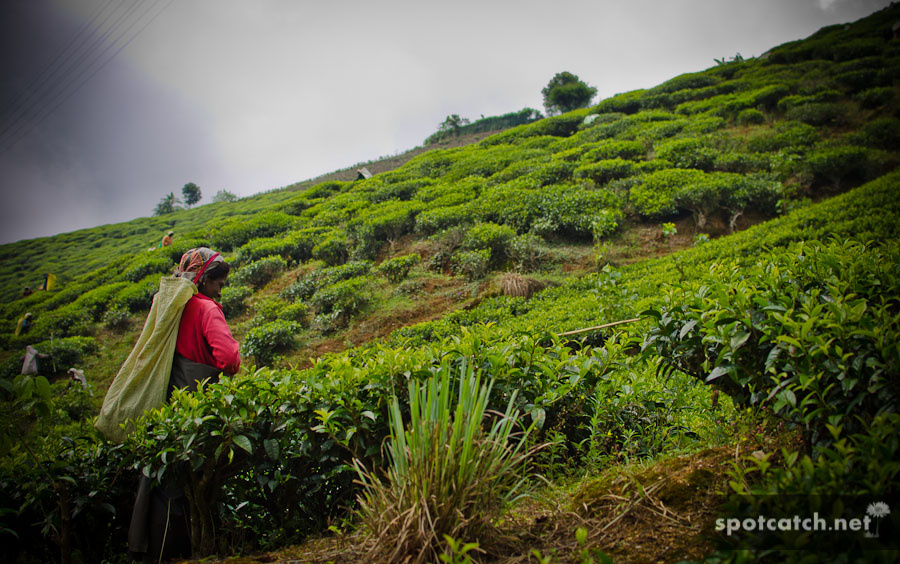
{"x":212,"y":287}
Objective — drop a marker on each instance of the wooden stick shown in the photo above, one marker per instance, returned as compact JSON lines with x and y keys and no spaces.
{"x":604,"y":326}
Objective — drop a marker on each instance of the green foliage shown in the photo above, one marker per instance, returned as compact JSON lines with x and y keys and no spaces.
{"x":604,"y":171}
{"x":836,"y":165}
{"x":493,"y":123}
{"x":566,"y":92}
{"x":138,"y":296}
{"x":824,"y":114}
{"x":492,"y":238}
{"x":236,"y":232}
{"x":751,"y":116}
{"x":474,"y":265}
{"x":259,"y":272}
{"x":167,"y":205}
{"x":447,"y":476}
{"x":333,"y":248}
{"x":191,"y":193}
{"x":791,"y":136}
{"x":294,"y":246}
{"x":274,"y":309}
{"x":396,"y":269}
{"x":805,"y":337}
{"x":655,"y":195}
{"x":687,"y":152}
{"x":265,"y":341}
{"x":304,"y":288}
{"x":875,"y":97}
{"x":336,"y":303}
{"x":64,"y":353}
{"x":233,"y":297}
{"x":611,"y":149}
{"x":224,"y":196}
{"x":881,"y":133}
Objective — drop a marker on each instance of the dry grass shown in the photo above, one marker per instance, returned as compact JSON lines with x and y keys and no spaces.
{"x":516,"y":285}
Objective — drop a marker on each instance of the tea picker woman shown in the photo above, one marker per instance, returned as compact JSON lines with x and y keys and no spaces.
{"x":160,"y":523}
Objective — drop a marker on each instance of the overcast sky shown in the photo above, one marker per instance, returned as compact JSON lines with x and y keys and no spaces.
{"x":108,"y":105}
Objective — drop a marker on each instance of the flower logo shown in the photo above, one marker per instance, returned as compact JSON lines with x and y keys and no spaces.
{"x":878,"y":511}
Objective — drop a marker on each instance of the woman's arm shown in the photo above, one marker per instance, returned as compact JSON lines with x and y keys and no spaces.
{"x":225,"y":349}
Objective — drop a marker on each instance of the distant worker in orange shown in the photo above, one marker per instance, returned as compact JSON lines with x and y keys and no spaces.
{"x":167,"y":239}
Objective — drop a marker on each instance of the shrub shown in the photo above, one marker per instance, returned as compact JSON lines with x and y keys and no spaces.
{"x":65,"y":353}
{"x":342,"y":300}
{"x":274,"y":309}
{"x":836,"y":165}
{"x":397,"y":268}
{"x":155,"y":262}
{"x":655,"y":196}
{"x":881,"y":133}
{"x":491,"y":237}
{"x":304,"y":288}
{"x":239,"y":230}
{"x":472,"y":264}
{"x":96,"y":301}
{"x":615,"y":150}
{"x":265,"y":341}
{"x":139,"y":296}
{"x":791,"y":136}
{"x":751,"y":116}
{"x":604,"y":171}
{"x":818,"y":114}
{"x":687,"y":153}
{"x":333,"y":249}
{"x":437,"y":219}
{"x":526,"y":252}
{"x":233,"y":297}
{"x":294,"y":246}
{"x":381,"y":224}
{"x":781,"y":332}
{"x":875,"y":97}
{"x":260,"y":272}
{"x":116,"y":318}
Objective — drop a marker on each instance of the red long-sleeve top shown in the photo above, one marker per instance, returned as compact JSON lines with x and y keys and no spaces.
{"x":204,"y":337}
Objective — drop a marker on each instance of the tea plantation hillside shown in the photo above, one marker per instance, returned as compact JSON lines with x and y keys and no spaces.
{"x":662,"y":309}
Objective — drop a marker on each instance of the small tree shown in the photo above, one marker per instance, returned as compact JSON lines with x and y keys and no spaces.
{"x":453,"y":123}
{"x":168,"y":204}
{"x":191,"y":193}
{"x":566,"y":92}
{"x":224,"y":196}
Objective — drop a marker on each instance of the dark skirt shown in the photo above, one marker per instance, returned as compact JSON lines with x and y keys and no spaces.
{"x":161,"y":521}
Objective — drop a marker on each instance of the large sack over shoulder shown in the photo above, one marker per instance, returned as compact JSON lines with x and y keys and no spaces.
{"x":142,"y":381}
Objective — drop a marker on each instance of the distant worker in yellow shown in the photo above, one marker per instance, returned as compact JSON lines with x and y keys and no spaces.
{"x":24,"y":324}
{"x":167,"y":239}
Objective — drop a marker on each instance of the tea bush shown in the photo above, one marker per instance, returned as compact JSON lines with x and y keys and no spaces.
{"x":238,"y":231}
{"x":265,"y":341}
{"x":474,"y":265}
{"x":138,"y":296}
{"x":806,"y":337}
{"x":396,"y":269}
{"x":295,"y":246}
{"x":333,"y":248}
{"x":751,"y":116}
{"x":875,"y":97}
{"x":687,"y":153}
{"x":342,"y":300}
{"x":233,"y":297}
{"x":604,"y":171}
{"x":259,"y":272}
{"x":818,"y":114}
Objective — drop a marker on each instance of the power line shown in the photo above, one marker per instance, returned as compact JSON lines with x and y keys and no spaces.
{"x":65,"y":92}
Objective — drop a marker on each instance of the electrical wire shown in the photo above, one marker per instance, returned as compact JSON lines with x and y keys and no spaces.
{"x":65,"y":91}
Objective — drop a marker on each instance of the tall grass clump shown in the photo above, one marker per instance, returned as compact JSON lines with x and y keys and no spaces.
{"x":449,"y":473}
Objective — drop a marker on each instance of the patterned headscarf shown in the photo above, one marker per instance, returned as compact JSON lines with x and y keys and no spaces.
{"x":196,"y":261}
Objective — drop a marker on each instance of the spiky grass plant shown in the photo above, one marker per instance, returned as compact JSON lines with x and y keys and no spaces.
{"x":451,"y":472}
